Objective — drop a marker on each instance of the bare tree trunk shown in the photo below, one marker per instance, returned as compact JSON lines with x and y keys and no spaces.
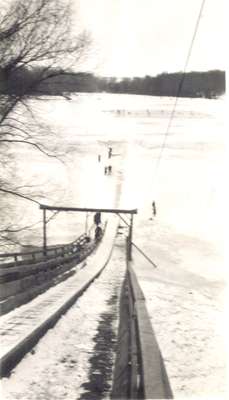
{"x":36,"y":44}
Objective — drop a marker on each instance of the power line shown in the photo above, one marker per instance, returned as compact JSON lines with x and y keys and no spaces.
{"x":179,"y":88}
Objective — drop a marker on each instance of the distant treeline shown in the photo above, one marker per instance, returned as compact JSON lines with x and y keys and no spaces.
{"x":208,"y":84}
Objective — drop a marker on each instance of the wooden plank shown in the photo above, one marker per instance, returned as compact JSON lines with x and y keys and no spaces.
{"x":80,"y":209}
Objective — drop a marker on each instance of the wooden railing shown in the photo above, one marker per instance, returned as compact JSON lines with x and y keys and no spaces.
{"x":140,"y":371}
{"x":37,"y":255}
{"x":31,"y":273}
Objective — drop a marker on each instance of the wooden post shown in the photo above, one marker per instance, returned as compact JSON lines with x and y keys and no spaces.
{"x":94,"y":210}
{"x":44,"y":233}
{"x":133,"y":347}
{"x":128,"y":248}
{"x":86,"y":223}
{"x":130,"y":237}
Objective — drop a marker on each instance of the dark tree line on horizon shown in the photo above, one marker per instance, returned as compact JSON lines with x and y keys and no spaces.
{"x":209,"y":84}
{"x":39,"y":50}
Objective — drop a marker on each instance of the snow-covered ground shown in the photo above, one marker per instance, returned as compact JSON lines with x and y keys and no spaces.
{"x":75,"y":359}
{"x":186,"y":292}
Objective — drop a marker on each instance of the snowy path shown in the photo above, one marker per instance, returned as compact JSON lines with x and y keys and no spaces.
{"x":185,"y":294}
{"x":75,"y":359}
{"x":21,"y":324}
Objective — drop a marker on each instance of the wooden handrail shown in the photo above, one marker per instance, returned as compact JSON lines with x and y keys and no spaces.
{"x":61,"y":250}
{"x":67,"y":247}
{"x":154,"y":382}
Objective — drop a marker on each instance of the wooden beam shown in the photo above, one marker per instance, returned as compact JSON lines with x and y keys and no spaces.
{"x":44,"y":233}
{"x":79,"y":209}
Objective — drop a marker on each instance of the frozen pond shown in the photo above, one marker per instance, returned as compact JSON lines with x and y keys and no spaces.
{"x":186,"y":293}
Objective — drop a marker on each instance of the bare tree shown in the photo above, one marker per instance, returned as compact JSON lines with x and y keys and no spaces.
{"x":36,"y":44}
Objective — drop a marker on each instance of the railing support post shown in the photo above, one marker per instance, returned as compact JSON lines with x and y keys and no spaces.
{"x":130,"y":238}
{"x":44,"y":233}
{"x":86,"y":224}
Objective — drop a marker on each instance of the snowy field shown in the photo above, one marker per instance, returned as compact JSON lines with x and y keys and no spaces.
{"x":186,"y":292}
{"x":75,"y":359}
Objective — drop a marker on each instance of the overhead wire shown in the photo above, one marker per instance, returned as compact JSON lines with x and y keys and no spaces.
{"x":158,"y":161}
{"x":159,"y":158}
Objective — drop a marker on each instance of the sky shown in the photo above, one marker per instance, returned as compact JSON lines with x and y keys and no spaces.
{"x":148,"y":37}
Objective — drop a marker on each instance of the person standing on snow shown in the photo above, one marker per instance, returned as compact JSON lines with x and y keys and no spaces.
{"x":154,"y":208}
{"x":109,"y":152}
